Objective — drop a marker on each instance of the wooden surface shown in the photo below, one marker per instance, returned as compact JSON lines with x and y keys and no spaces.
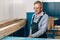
{"x":57,"y":33}
{"x":11,"y":27}
{"x":8,"y":20}
{"x":51,"y":23}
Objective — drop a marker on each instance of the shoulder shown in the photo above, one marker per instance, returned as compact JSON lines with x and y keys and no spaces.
{"x":45,"y":16}
{"x":33,"y":15}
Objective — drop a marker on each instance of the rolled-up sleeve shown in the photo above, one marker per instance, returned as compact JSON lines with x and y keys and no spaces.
{"x":42,"y":27}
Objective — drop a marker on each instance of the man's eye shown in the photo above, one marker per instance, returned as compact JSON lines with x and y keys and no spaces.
{"x":35,"y":8}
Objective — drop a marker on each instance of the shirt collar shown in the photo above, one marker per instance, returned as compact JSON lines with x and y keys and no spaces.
{"x":41,"y":14}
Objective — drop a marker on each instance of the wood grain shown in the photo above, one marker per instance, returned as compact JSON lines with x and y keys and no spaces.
{"x":8,"y":29}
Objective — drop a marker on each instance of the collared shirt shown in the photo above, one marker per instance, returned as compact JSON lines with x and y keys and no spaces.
{"x":42,"y":26}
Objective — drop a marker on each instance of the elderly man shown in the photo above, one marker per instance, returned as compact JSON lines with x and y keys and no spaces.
{"x":39,"y":22}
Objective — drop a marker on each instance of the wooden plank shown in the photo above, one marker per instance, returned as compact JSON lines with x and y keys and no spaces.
{"x":8,"y":20}
{"x":51,"y":23}
{"x":57,"y":33}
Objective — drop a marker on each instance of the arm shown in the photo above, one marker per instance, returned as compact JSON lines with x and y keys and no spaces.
{"x":30,"y":27}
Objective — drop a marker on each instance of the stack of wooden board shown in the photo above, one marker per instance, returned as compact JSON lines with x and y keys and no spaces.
{"x":9,"y":26}
{"x":57,"y":30}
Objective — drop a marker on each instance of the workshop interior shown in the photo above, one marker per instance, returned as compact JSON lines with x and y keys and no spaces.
{"x":16,"y":16}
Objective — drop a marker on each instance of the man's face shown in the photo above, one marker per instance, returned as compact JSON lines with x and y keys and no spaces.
{"x":37,"y":8}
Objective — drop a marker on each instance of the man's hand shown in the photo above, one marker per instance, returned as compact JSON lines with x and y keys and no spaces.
{"x":30,"y":36}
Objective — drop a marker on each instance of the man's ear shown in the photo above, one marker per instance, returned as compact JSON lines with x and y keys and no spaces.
{"x":41,"y":8}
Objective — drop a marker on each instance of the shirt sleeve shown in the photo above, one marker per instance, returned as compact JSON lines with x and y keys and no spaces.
{"x":42,"y":28}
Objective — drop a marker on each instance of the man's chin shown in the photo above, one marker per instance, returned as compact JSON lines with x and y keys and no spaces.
{"x":37,"y":13}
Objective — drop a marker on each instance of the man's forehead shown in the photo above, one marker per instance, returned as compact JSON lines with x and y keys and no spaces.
{"x":37,"y":5}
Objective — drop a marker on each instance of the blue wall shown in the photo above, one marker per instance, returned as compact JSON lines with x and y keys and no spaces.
{"x":52,"y":8}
